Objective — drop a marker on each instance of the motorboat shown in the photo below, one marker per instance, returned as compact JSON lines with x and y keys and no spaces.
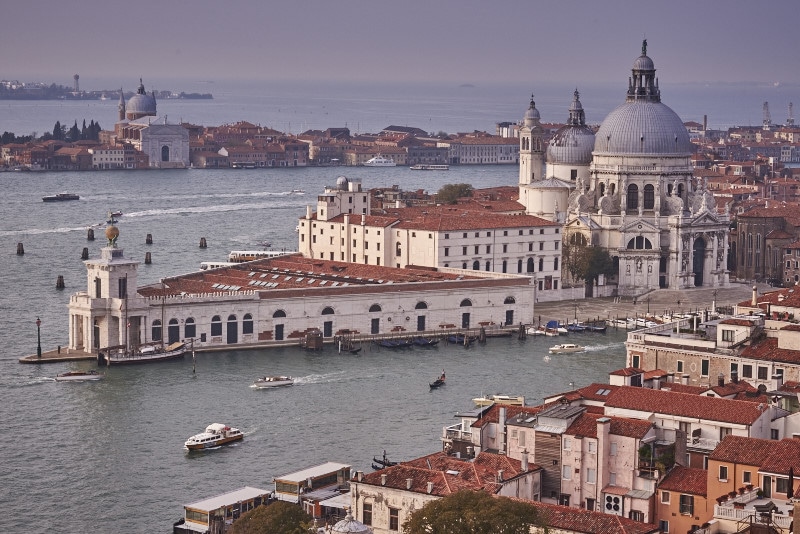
{"x":439,"y":382}
{"x":380,"y":161}
{"x":534,"y":331}
{"x":79,"y":376}
{"x":60,"y":197}
{"x":566,"y":348}
{"x":272,"y":382}
{"x":511,"y":400}
{"x":148,"y":354}
{"x":216,"y":434}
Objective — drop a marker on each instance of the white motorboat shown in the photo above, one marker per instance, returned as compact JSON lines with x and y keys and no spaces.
{"x":380,"y":161}
{"x":566,"y":348}
{"x":510,"y":400}
{"x":429,"y":167}
{"x":272,"y":382}
{"x":216,"y":434}
{"x":533,"y":331}
{"x":79,"y":376}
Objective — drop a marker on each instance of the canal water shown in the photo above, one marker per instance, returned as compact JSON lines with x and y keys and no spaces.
{"x":108,"y":456}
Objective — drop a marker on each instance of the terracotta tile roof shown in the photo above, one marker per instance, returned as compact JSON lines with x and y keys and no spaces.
{"x":628,"y":371}
{"x":597,"y":391}
{"x":586,"y":425}
{"x":449,"y":474}
{"x":683,"y":388}
{"x":683,"y":404}
{"x":655,"y":373}
{"x":731,"y":389}
{"x":492,"y":414}
{"x":737,"y":322}
{"x":779,"y":234}
{"x":767,"y":350}
{"x":741,"y":450}
{"x":568,"y":519}
{"x":781,"y":456}
{"x":691,"y":480}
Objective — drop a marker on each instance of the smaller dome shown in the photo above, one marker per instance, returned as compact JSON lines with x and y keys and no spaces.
{"x":349,"y":525}
{"x":531,"y":116}
{"x":141,"y":104}
{"x":341,"y":183}
{"x":644,"y":62}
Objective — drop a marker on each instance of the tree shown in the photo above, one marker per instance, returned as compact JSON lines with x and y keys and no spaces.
{"x":58,"y":131}
{"x":74,"y":133}
{"x":473,"y":512}
{"x":597,"y":261}
{"x":450,"y":193}
{"x":277,"y":518}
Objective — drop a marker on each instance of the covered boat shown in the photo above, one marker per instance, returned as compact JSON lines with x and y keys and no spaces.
{"x":511,"y":400}
{"x":380,"y":161}
{"x":148,"y":354}
{"x":216,"y":434}
{"x":272,"y":382}
{"x":60,"y":197}
{"x":566,"y":348}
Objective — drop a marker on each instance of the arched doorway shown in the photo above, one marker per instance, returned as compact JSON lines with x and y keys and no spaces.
{"x":698,"y":262}
{"x":233,"y":330}
{"x":173,"y":331}
{"x":165,"y":153}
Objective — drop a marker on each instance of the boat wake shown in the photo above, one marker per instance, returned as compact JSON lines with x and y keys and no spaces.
{"x":339,"y":376}
{"x":593,"y":348}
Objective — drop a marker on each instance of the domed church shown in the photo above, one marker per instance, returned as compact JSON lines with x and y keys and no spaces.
{"x":628,"y":188}
{"x":166,"y":145}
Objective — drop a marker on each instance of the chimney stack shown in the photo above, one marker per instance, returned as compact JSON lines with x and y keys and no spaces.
{"x":499,"y":475}
{"x":753,"y":301}
{"x":409,"y":483}
{"x":360,"y":475}
{"x":524,"y":460}
{"x":383,"y":479}
{"x":430,"y":487}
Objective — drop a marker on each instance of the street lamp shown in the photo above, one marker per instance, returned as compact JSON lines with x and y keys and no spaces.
{"x":38,"y":338}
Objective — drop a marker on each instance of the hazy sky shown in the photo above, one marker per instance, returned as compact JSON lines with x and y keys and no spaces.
{"x":463,"y":41}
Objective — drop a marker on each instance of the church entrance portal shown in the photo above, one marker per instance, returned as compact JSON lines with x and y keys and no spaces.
{"x":698,"y":263}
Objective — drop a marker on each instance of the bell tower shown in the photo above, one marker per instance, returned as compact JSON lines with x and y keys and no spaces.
{"x":531,"y":147}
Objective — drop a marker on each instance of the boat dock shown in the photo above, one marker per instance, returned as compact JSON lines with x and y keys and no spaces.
{"x":60,"y":354}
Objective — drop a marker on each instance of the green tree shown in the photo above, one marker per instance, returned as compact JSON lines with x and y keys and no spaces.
{"x":58,"y":131}
{"x":597,"y":261}
{"x":277,"y":518}
{"x":74,"y":133}
{"x":450,"y":193}
{"x":473,"y":512}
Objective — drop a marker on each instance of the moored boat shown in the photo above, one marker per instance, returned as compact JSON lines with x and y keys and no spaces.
{"x":429,"y":167}
{"x":566,"y":348}
{"x":60,"y":197}
{"x":511,"y":400}
{"x":272,"y":382}
{"x":425,"y":342}
{"x":148,"y":354}
{"x":216,"y":434}
{"x":380,"y":161}
{"x":79,"y":376}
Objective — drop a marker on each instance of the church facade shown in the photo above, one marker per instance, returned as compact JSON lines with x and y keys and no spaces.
{"x":628,"y":188}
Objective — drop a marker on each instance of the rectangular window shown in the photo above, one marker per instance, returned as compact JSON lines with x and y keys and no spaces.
{"x":774,"y":434}
{"x":635,"y":361}
{"x":366,"y":515}
{"x":505,"y":247}
{"x":541,"y":245}
{"x":679,"y":366}
{"x":556,"y":245}
{"x":464,"y":251}
{"x":488,"y":249}
{"x":522,"y":439}
{"x":593,"y":447}
{"x":687,"y":504}
{"x":727,"y":335}
{"x":663,"y":526}
{"x":613,"y":449}
{"x":566,"y":472}
{"x":446,"y":251}
{"x":394,"y":519}
{"x":747,"y":477}
{"x":781,"y":485}
{"x":704,"y":364}
{"x":747,"y":371}
{"x":591,"y":476}
{"x":723,"y":473}
{"x":567,"y":444}
{"x":476,"y":249}
{"x":612,"y":479}
{"x":447,"y":236}
{"x":664,"y":497}
{"x":762,"y":373}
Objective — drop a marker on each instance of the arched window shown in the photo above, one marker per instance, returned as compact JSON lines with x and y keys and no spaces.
{"x":216,"y":325}
{"x":555,"y":264}
{"x":466,"y":302}
{"x":247,"y":324}
{"x":398,"y":250}
{"x":375,"y":308}
{"x":488,"y":265}
{"x":165,"y":153}
{"x":421,"y":306}
{"x":278,"y":314}
{"x":173,"y":331}
{"x":633,"y":197}
{"x":189,"y":328}
{"x":530,"y":265}
{"x":505,"y":266}
{"x":156,"y":330}
{"x":649,"y":197}
{"x":602,"y":189}
{"x":680,"y":190}
{"x":476,"y":265}
{"x":541,"y":264}
{"x":519,"y":265}
{"x":327,"y":311}
{"x":639,"y":243}
{"x":577,"y":239}
{"x":510,"y":300}
{"x":612,"y":188}
{"x":669,"y":190}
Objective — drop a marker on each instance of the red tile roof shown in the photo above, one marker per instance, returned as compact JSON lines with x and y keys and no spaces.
{"x":683,"y":404}
{"x":568,"y":519}
{"x":741,"y":450}
{"x":586,"y":425}
{"x":767,"y":350}
{"x":781,"y":456}
{"x":689,"y":480}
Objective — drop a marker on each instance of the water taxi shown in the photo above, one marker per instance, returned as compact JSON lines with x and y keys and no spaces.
{"x":216,"y":434}
{"x":79,"y":376}
{"x":429,"y":167}
{"x":272,"y":382}
{"x":566,"y":348}
{"x":60,"y":197}
{"x":510,"y":400}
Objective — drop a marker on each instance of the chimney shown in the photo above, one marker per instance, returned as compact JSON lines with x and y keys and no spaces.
{"x":363,"y":219}
{"x":409,"y":483}
{"x":499,"y":475}
{"x":735,"y":376}
{"x":346,"y":219}
{"x":360,"y":475}
{"x":524,"y":460}
{"x":657,"y":384}
{"x":470,"y":451}
{"x":308,"y":212}
{"x":430,"y":487}
{"x":753,"y":301}
{"x":383,"y":479}
{"x":720,"y":380}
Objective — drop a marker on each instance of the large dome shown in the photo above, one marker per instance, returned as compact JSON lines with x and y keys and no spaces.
{"x":642,"y":127}
{"x":141,"y":104}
